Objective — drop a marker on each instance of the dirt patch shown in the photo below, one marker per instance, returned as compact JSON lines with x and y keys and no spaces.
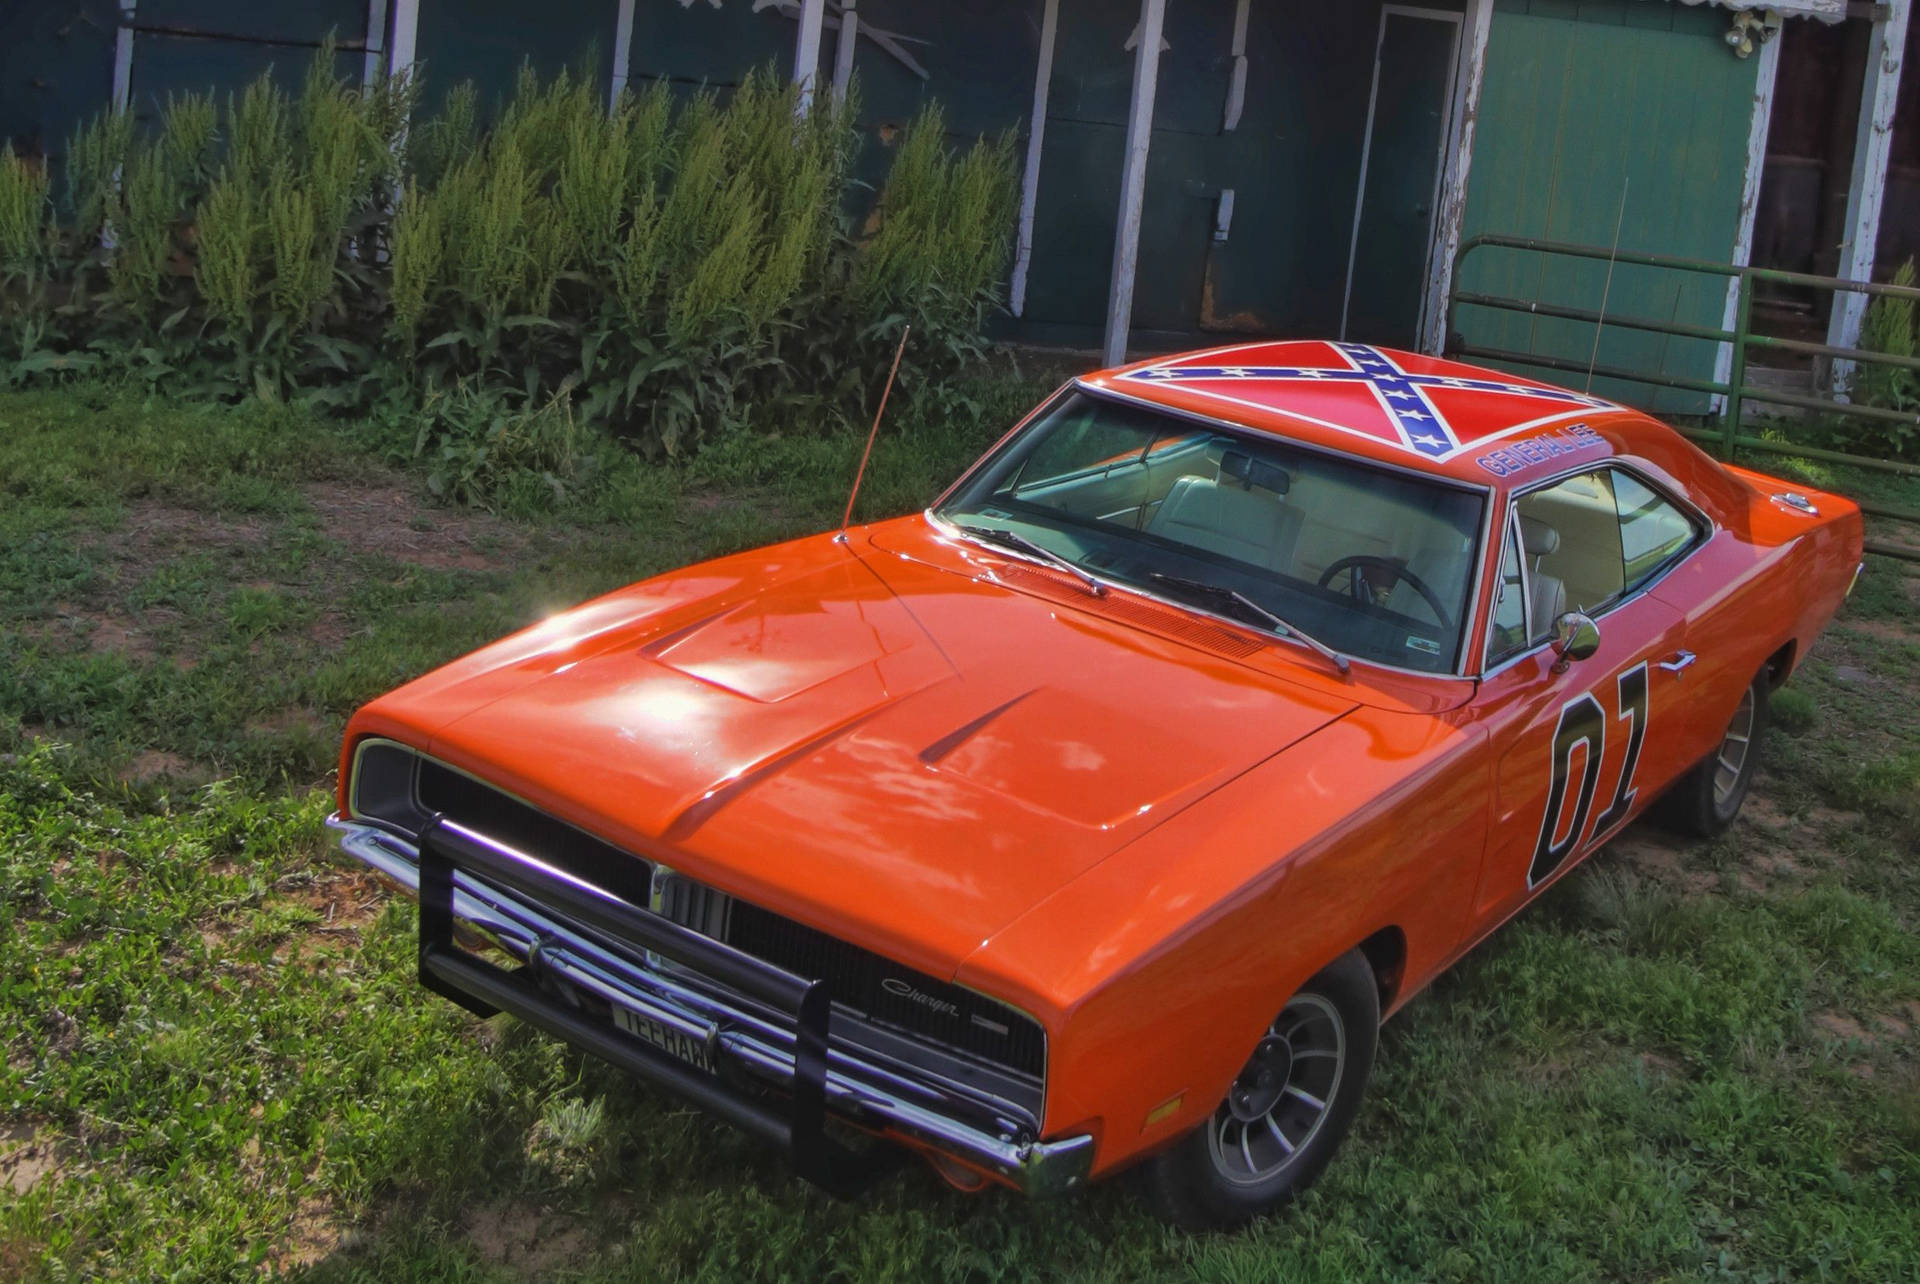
{"x":1660,"y":860}
{"x":529,"y":1240}
{"x":1879,"y":1028}
{"x":1884,"y":630}
{"x":388,"y":520}
{"x":150,"y":765}
{"x":28,"y":1157}
{"x":346,"y":901}
{"x":311,"y":1236}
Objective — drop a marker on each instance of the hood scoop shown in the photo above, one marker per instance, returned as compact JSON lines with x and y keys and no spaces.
{"x":774,"y":646}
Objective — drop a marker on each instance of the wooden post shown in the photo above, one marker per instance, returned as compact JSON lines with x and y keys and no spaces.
{"x":1133,"y":180}
{"x":622,"y":52}
{"x":1468,"y":78}
{"x":1237,"y":83}
{"x":406,"y":30}
{"x":843,"y":50}
{"x":373,"y":65}
{"x":1767,"y":74}
{"x":123,"y":57}
{"x":1036,"y":140}
{"x":1867,"y":189}
{"x":806,"y":50}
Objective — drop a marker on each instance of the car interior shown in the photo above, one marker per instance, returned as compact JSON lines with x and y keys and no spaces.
{"x":1584,"y":541}
{"x":1294,"y":529}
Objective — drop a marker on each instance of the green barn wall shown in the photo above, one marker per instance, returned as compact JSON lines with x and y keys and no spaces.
{"x":488,"y":41}
{"x":56,"y":69}
{"x":1293,"y":164}
{"x":192,"y":46}
{"x":1583,"y":102}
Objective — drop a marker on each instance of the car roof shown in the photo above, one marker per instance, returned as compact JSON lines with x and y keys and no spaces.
{"x":1447,"y":418}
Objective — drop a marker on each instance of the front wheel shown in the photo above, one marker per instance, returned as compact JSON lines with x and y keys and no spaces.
{"x":1286,"y":1112}
{"x":1705,"y":800}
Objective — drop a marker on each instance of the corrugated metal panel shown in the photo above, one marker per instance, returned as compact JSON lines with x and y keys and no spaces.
{"x":1582,"y":102}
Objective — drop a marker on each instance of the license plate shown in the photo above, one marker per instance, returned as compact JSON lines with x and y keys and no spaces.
{"x":673,"y":1042}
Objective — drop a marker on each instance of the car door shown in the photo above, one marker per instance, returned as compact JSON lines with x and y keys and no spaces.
{"x":1582,"y":745}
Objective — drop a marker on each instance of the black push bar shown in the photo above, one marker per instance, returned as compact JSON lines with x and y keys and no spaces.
{"x":483,"y":988}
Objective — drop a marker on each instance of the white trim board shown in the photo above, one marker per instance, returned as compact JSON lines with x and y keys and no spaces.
{"x":1766,"y":77}
{"x":1036,"y":140}
{"x":1866,"y":191}
{"x":1133,"y":181}
{"x":1450,"y":214}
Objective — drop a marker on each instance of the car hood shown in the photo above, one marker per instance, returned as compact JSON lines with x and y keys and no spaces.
{"x":903,"y":755}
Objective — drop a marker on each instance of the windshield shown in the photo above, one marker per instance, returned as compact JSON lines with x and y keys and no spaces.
{"x":1375,"y":564}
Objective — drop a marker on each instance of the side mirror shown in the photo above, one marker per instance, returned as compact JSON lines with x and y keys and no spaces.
{"x":1575,"y":637}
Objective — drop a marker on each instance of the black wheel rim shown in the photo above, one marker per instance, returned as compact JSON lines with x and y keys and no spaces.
{"x":1730,"y":764}
{"x":1283,"y":1095}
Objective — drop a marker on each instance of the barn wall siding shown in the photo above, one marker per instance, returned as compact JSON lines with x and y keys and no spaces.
{"x":1584,"y":102}
{"x":1581,"y":94}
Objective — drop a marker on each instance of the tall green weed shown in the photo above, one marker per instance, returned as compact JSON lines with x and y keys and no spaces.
{"x":664,"y":270}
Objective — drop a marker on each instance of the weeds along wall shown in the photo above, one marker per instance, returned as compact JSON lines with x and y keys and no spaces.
{"x":666,"y":270}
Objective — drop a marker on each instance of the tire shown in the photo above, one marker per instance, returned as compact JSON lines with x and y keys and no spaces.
{"x":1705,"y":800}
{"x":1231,"y":1169}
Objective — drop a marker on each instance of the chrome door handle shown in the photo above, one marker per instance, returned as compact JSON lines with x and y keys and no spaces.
{"x":1681,"y":660}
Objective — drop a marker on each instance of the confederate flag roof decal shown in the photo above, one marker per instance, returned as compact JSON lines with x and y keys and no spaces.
{"x":1431,"y":407}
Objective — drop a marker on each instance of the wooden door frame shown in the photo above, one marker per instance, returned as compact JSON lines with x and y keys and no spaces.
{"x":1457,"y":21}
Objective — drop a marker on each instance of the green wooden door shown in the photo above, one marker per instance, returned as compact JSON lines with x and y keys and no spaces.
{"x":1626,"y":112}
{"x":1393,"y":219}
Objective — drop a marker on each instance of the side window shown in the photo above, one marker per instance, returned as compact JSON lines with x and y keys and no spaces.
{"x":1570,"y":536}
{"x":1589,"y":540}
{"x":1652,"y":530}
{"x":1507,"y":632}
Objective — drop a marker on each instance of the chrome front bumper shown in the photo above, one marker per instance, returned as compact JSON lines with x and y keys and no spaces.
{"x":759,"y":1025}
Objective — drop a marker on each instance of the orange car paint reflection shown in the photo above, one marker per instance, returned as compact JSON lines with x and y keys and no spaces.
{"x":1145,"y":826}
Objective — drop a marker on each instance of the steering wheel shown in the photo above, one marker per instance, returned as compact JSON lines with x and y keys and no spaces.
{"x":1361,"y":591}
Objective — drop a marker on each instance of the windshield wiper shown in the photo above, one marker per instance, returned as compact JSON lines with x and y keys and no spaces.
{"x":1261,"y":615}
{"x":1015,"y":540}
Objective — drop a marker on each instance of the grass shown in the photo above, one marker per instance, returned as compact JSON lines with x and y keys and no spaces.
{"x":1688,"y":1061}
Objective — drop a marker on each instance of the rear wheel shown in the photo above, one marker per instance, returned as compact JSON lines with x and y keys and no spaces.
{"x":1286,"y":1112}
{"x":1706,"y":799}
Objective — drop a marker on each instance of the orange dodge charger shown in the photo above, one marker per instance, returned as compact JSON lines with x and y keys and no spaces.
{"x":1097,"y":815}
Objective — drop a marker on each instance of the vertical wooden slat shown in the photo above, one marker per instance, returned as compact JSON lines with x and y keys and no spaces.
{"x":1036,"y":140}
{"x":1866,"y":192}
{"x":406,"y":34}
{"x":806,"y":50}
{"x":373,"y":66}
{"x":622,"y":52}
{"x":843,"y":50}
{"x":1133,"y":180}
{"x":123,"y":57}
{"x":1450,"y":215}
{"x":1749,"y":196}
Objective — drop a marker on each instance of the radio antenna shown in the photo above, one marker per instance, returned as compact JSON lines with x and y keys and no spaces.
{"x":1607,"y":290}
{"x":847,"y":519}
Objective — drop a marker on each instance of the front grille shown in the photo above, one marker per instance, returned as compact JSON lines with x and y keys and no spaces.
{"x":402,"y":788}
{"x":486,"y":810}
{"x":876,"y":988}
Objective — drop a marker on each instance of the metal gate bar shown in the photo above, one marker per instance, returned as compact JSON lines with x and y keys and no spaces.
{"x":1727,"y":439}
